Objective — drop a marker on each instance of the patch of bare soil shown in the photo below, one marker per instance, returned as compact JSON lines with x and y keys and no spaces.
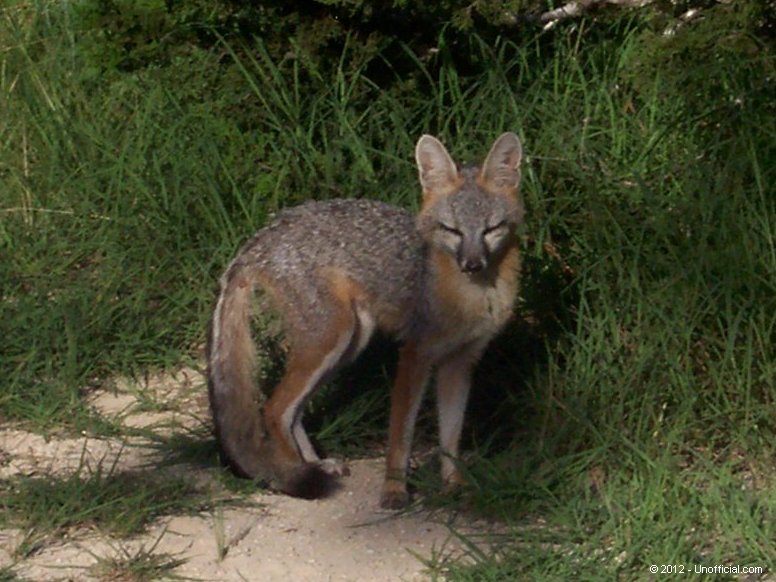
{"x":344,"y":537}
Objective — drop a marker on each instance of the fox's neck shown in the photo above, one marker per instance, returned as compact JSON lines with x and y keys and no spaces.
{"x":456,"y":291}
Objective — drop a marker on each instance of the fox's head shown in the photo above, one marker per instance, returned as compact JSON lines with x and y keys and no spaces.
{"x":470,"y":213}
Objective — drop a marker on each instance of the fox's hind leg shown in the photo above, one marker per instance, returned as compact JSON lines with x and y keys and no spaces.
{"x":329,"y":466}
{"x":330,"y":336}
{"x":364,"y":328}
{"x":308,"y":366}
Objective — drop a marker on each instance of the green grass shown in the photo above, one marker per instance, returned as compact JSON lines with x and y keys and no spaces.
{"x":7,"y":575}
{"x":626,"y":419}
{"x":103,"y":499}
{"x":142,"y":564}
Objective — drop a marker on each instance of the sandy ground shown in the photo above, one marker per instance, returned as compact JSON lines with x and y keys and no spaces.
{"x":344,"y":537}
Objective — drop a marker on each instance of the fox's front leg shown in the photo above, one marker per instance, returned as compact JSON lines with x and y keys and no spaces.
{"x":411,"y":377}
{"x":453,"y":384}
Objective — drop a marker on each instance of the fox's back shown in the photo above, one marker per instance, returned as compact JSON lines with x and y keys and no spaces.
{"x":373,"y":244}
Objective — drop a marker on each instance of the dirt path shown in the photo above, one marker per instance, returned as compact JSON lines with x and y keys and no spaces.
{"x":345,"y":537}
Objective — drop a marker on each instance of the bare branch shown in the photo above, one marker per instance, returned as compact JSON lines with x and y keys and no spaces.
{"x":576,"y":8}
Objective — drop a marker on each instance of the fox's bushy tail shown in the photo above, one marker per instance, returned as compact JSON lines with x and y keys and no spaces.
{"x":236,"y":400}
{"x":231,"y":361}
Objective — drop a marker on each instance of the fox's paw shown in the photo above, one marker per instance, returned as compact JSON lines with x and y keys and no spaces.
{"x":394,"y":495}
{"x":395,"y":500}
{"x":453,"y":482}
{"x":334,"y":467}
{"x":311,"y":481}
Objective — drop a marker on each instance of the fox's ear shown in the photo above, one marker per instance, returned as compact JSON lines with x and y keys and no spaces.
{"x":501,"y":170}
{"x":438,"y":173}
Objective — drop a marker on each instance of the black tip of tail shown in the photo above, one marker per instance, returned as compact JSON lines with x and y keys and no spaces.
{"x":311,"y":482}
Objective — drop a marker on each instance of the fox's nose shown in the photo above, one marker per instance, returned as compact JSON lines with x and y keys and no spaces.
{"x":472,"y":265}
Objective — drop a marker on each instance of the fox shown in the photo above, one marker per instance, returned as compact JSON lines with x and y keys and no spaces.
{"x":331,"y":273}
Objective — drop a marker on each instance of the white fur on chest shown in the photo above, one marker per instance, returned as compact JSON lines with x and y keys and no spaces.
{"x":471,"y":311}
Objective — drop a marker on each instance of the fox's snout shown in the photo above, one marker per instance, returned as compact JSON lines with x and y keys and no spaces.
{"x":472,"y":264}
{"x":472,"y":255}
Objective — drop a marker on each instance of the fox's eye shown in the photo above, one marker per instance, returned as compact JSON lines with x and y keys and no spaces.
{"x":496,"y":227}
{"x":494,"y":236}
{"x":450,"y":229}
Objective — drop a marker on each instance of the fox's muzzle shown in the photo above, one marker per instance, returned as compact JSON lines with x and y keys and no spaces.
{"x":472,"y":258}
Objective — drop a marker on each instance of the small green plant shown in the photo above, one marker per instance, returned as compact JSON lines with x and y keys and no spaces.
{"x":219,"y":531}
{"x":141,"y":564}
